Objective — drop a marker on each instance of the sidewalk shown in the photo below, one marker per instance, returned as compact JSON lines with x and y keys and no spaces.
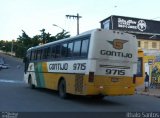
{"x":152,"y":91}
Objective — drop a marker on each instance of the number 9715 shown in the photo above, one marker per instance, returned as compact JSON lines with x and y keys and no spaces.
{"x":115,"y":72}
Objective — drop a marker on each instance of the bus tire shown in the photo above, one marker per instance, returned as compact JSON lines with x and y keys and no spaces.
{"x":62,"y":89}
{"x":30,"y":82}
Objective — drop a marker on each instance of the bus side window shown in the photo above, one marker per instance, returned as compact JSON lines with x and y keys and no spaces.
{"x":58,"y":51}
{"x":84,"y":48}
{"x":39,"y":55}
{"x":70,"y":49}
{"x":45,"y":53}
{"x":53,"y":52}
{"x":35,"y":54}
{"x":64,"y":50}
{"x":76,"y":50}
{"x":32,"y":55}
{"x":48,"y":53}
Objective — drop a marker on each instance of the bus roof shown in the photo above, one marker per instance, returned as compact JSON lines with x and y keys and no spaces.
{"x":89,"y":32}
{"x":61,"y":40}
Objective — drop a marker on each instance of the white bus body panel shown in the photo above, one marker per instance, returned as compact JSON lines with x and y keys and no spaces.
{"x":31,"y":72}
{"x":113,"y":51}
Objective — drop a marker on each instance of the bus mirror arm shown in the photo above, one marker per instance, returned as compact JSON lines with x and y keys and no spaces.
{"x":24,"y":59}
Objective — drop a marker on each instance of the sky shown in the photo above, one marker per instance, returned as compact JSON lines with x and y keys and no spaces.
{"x":34,"y":15}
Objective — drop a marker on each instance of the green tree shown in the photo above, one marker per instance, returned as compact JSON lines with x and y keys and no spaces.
{"x":46,"y":37}
{"x":6,"y":46}
{"x":62,"y":35}
{"x":19,"y":49}
{"x":36,"y":40}
{"x":24,"y":41}
{"x":43,"y":36}
{"x":2,"y":45}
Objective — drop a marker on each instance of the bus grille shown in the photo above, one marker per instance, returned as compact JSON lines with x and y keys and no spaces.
{"x":79,"y":83}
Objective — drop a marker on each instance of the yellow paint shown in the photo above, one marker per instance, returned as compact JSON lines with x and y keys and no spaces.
{"x":104,"y":85}
{"x":149,"y":57}
{"x":140,"y":80}
{"x":101,"y":85}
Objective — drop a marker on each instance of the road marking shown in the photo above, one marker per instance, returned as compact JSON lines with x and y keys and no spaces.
{"x":10,"y":81}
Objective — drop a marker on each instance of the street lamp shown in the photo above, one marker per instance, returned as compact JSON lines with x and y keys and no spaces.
{"x":59,"y":27}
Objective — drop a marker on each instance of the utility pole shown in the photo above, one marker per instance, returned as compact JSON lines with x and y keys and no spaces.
{"x":76,"y":17}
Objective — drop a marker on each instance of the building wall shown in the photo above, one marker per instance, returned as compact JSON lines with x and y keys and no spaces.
{"x":145,"y":67}
{"x":150,"y":51}
{"x":149,"y":44}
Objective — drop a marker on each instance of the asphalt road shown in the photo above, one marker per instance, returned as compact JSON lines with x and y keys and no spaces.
{"x":16,"y":96}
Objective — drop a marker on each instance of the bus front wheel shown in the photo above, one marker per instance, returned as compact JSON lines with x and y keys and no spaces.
{"x":62,"y":89}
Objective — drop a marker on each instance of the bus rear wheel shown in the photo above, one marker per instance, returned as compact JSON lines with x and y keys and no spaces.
{"x":62,"y":89}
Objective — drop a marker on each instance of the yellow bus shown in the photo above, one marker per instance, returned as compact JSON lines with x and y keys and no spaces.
{"x":97,"y":62}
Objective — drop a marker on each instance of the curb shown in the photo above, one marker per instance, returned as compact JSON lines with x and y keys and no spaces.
{"x":148,"y":94}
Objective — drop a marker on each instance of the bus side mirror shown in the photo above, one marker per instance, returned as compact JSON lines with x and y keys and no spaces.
{"x":24,"y":59}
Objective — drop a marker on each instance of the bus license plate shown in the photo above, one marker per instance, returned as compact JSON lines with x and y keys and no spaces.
{"x":115,"y":79}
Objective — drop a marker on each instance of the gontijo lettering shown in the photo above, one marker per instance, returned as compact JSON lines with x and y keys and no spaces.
{"x":117,"y":54}
{"x":58,"y":66}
